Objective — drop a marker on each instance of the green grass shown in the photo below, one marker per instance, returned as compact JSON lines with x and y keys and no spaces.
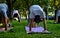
{"x":20,"y":32}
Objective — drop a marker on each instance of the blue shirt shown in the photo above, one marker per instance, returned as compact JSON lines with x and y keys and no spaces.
{"x":4,"y":8}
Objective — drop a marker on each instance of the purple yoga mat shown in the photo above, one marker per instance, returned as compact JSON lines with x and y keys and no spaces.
{"x":2,"y":29}
{"x":36,"y":29}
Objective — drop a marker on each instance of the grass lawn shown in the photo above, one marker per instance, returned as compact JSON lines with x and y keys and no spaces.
{"x":21,"y":33}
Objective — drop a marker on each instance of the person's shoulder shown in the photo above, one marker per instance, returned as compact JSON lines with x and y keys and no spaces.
{"x":4,"y":4}
{"x":15,"y":10}
{"x":34,"y":5}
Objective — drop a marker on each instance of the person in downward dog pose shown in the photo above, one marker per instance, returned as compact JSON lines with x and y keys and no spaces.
{"x":4,"y":16}
{"x":16,"y":15}
{"x":36,"y":14}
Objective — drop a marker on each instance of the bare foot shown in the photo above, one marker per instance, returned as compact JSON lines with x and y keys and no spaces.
{"x":45,"y":31}
{"x":30,"y":31}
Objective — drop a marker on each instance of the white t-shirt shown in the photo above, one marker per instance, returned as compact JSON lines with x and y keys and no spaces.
{"x":15,"y":11}
{"x":36,"y":10}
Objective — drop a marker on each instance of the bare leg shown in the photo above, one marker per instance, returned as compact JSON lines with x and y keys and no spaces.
{"x":19,"y":19}
{"x":44,"y":22}
{"x":57,"y":19}
{"x":31,"y":24}
{"x":6,"y":23}
{"x":3,"y":23}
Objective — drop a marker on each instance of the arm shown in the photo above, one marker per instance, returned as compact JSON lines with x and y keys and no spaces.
{"x":44,"y":19}
{"x":31,"y":23}
{"x":44,"y":22}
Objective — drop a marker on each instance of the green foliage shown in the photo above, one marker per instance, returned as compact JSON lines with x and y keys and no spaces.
{"x":25,"y":4}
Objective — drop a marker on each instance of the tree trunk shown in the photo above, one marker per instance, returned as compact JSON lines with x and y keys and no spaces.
{"x":10,"y":6}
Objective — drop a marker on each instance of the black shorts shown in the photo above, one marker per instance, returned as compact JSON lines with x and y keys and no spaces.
{"x":15,"y":15}
{"x":37,"y":19}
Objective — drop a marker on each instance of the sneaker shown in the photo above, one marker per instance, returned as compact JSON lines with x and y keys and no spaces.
{"x":30,"y":32}
{"x":10,"y":25}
